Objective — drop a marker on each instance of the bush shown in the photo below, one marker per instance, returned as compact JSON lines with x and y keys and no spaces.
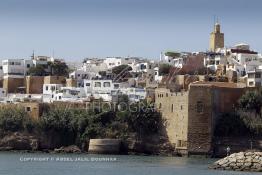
{"x":230,"y":124}
{"x":15,"y":119}
{"x":164,"y":69}
{"x":250,"y":110}
{"x":122,"y":68}
{"x":38,"y":70}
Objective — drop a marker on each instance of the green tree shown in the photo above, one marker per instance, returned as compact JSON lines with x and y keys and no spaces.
{"x":164,"y":69}
{"x":38,"y":70}
{"x":230,"y":124}
{"x":250,"y":110}
{"x":14,"y":118}
{"x":251,"y":101}
{"x":173,"y":54}
{"x":122,"y":68}
{"x":58,"y":68}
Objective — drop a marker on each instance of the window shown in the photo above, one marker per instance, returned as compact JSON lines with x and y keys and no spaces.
{"x":251,"y":75}
{"x":28,"y":65}
{"x":258,"y":75}
{"x":60,"y":97}
{"x":172,"y":108}
{"x":116,"y":86}
{"x":46,"y":88}
{"x":199,"y":107}
{"x":97,"y":84}
{"x":106,"y":84}
{"x":251,"y":83}
{"x":181,"y":107}
{"x":88,"y":84}
{"x":28,"y":109}
{"x":160,"y":105}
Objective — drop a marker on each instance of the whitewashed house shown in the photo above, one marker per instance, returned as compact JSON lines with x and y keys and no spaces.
{"x":94,"y":65}
{"x":134,"y":94}
{"x":100,"y":89}
{"x":80,"y":75}
{"x":254,"y":78}
{"x":49,"y":91}
{"x":71,"y":94}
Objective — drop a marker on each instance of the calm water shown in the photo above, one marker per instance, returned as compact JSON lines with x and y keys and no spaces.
{"x":76,"y":164}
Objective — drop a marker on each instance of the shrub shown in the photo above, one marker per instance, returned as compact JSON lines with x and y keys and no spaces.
{"x":14,"y":119}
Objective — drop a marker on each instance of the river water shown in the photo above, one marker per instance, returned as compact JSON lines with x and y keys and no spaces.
{"x":79,"y":164}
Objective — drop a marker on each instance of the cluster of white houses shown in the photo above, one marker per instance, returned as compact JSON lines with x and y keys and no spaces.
{"x":82,"y":84}
{"x":86,"y":81}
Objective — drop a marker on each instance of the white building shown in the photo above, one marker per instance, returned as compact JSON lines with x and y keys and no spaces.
{"x":254,"y":78}
{"x":71,"y":94}
{"x":49,"y":91}
{"x":134,"y":94}
{"x":94,"y":65}
{"x":238,"y":58}
{"x":117,"y":61}
{"x":174,"y":58}
{"x":100,"y":89}
{"x":157,"y":77}
{"x":18,"y":67}
{"x":80,"y":75}
{"x":213,"y":60}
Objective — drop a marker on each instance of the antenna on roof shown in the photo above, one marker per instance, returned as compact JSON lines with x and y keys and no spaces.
{"x":33,"y":55}
{"x":214,"y":20}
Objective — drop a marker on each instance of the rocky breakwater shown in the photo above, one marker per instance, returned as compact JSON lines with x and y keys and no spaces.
{"x":243,"y":161}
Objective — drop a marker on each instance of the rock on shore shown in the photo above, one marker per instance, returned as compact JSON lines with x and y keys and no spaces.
{"x":242,"y":161}
{"x":68,"y":149}
{"x":18,"y":141}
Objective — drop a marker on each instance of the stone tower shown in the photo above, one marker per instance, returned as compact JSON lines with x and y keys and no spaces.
{"x":216,"y":38}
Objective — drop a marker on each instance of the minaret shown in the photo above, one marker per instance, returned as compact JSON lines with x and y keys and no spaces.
{"x":216,"y":38}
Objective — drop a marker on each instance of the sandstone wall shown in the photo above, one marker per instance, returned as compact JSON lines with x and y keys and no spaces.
{"x":34,"y":84}
{"x":174,"y":109}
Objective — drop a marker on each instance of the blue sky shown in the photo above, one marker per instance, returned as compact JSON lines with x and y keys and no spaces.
{"x":75,"y":29}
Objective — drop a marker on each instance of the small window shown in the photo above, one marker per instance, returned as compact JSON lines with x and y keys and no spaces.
{"x":172,"y":108}
{"x":116,"y":86}
{"x":88,"y":84}
{"x":181,"y":107}
{"x":160,"y":105}
{"x":106,"y":84}
{"x":28,"y":65}
{"x":251,"y":83}
{"x":28,"y":109}
{"x":97,"y":84}
{"x":46,"y":88}
{"x":200,"y":107}
{"x":60,"y":97}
